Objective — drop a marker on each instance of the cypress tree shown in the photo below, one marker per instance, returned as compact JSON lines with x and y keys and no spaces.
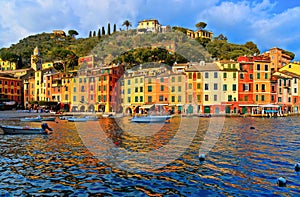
{"x":99,"y":33}
{"x":103,"y":31}
{"x":94,"y":34}
{"x":90,"y":35}
{"x":108,"y":28}
{"x":115,"y":28}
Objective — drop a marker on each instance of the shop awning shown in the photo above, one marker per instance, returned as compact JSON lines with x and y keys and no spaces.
{"x":146,"y":106}
{"x":248,"y":105}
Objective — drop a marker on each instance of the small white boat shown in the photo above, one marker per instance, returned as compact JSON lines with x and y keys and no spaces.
{"x":91,"y":118}
{"x":13,"y":130}
{"x":150,"y":119}
{"x":31,"y":119}
{"x":77,"y":119}
{"x":64,"y":117}
{"x":48,"y":119}
{"x":107,"y":115}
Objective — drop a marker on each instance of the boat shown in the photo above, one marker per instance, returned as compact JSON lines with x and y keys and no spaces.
{"x":48,"y":119}
{"x":107,"y":115}
{"x":13,"y":130}
{"x":150,"y":119}
{"x":64,"y":117}
{"x":269,"y":110}
{"x":31,"y":119}
{"x":91,"y":118}
{"x":77,"y":119}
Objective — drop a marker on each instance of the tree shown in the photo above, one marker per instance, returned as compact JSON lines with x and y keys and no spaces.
{"x":221,"y":37}
{"x":291,"y":54}
{"x":127,"y":24}
{"x":99,"y":33}
{"x":115,"y":28}
{"x":90,"y":34}
{"x":108,"y":28}
{"x":94,"y":33}
{"x":252,"y":48}
{"x":103,"y":31}
{"x":201,"y":25}
{"x":72,"y":33}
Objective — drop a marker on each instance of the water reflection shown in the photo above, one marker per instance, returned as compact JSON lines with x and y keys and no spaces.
{"x":242,"y":162}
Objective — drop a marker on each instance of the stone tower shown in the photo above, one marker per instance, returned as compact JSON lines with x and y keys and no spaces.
{"x":35,"y":59}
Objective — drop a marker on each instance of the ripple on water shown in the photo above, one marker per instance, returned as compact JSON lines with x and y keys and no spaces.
{"x":242,"y":162}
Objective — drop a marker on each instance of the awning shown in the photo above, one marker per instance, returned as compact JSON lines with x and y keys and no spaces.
{"x":269,"y":105}
{"x":248,"y":105}
{"x":146,"y":106}
{"x":161,"y":104}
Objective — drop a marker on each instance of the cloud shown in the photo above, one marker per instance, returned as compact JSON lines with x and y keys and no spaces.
{"x":245,"y":21}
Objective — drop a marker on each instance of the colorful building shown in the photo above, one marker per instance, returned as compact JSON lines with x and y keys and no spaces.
{"x":7,"y":65}
{"x":278,"y":58}
{"x":10,"y":89}
{"x":200,"y":34}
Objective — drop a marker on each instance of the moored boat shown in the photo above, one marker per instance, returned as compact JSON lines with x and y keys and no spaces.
{"x":77,"y":119}
{"x":31,"y":119}
{"x":151,"y":119}
{"x":91,"y":118}
{"x":48,"y":119}
{"x":13,"y":130}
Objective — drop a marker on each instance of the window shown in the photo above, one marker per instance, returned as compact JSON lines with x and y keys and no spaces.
{"x":66,"y":97}
{"x":92,"y":97}
{"x":128,"y":99}
{"x":246,"y":98}
{"x":215,"y":75}
{"x":198,"y":98}
{"x":295,"y":100}
{"x":229,"y":97}
{"x":92,"y":88}
{"x":173,"y":99}
{"x":190,"y":97}
{"x":251,"y":76}
{"x":256,"y":87}
{"x":173,"y":89}
{"x":128,"y":91}
{"x":162,"y":88}
{"x":141,"y":80}
{"x":136,"y":89}
{"x":280,"y":83}
{"x":74,"y":98}
{"x":234,"y":75}
{"x":233,"y":87}
{"x":295,"y":80}
{"x":179,"y":88}
{"x":272,"y":98}
{"x":128,"y":82}
{"x":179,"y":98}
{"x":80,"y":80}
{"x":136,"y":99}
{"x":190,"y":86}
{"x":215,"y":86}
{"x":162,"y":80}
{"x":150,"y":99}
{"x":241,"y":76}
{"x":149,"y":88}
{"x":256,"y":97}
{"x":161,"y":98}
{"x":266,"y":75}
{"x":225,"y":87}
{"x":12,"y":91}
{"x":82,"y":98}
{"x":206,"y":86}
{"x":198,"y":76}
{"x":215,"y":97}
{"x":224,"y":75}
{"x":246,"y":87}
{"x":279,"y":99}
{"x":136,"y":80}
{"x":82,"y":88}
{"x":266,"y":67}
{"x":141,"y":98}
{"x":141,"y":89}
{"x":179,"y":78}
{"x":190,"y":76}
{"x":262,"y":97}
{"x":173,"y":79}
{"x":258,"y":67}
{"x":258,"y":75}
{"x":206,"y":97}
{"x":295,"y":90}
{"x":206,"y":75}
{"x":198,"y":86}
{"x":263,"y":87}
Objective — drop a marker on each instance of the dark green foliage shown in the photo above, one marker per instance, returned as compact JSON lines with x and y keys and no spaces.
{"x":108,"y":28}
{"x":72,"y":33}
{"x":201,"y":25}
{"x":103,"y":31}
{"x":291,"y":54}
{"x":127,"y":23}
{"x":115,"y":28}
{"x":181,"y":29}
{"x":99,"y":33}
{"x":94,"y":34}
{"x":90,"y":34}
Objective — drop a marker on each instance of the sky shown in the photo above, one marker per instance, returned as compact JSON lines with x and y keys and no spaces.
{"x":267,"y":23}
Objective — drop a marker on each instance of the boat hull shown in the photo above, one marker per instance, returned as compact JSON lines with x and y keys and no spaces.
{"x":77,"y":119}
{"x":31,"y":119}
{"x":150,"y":119}
{"x":14,"y":130}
